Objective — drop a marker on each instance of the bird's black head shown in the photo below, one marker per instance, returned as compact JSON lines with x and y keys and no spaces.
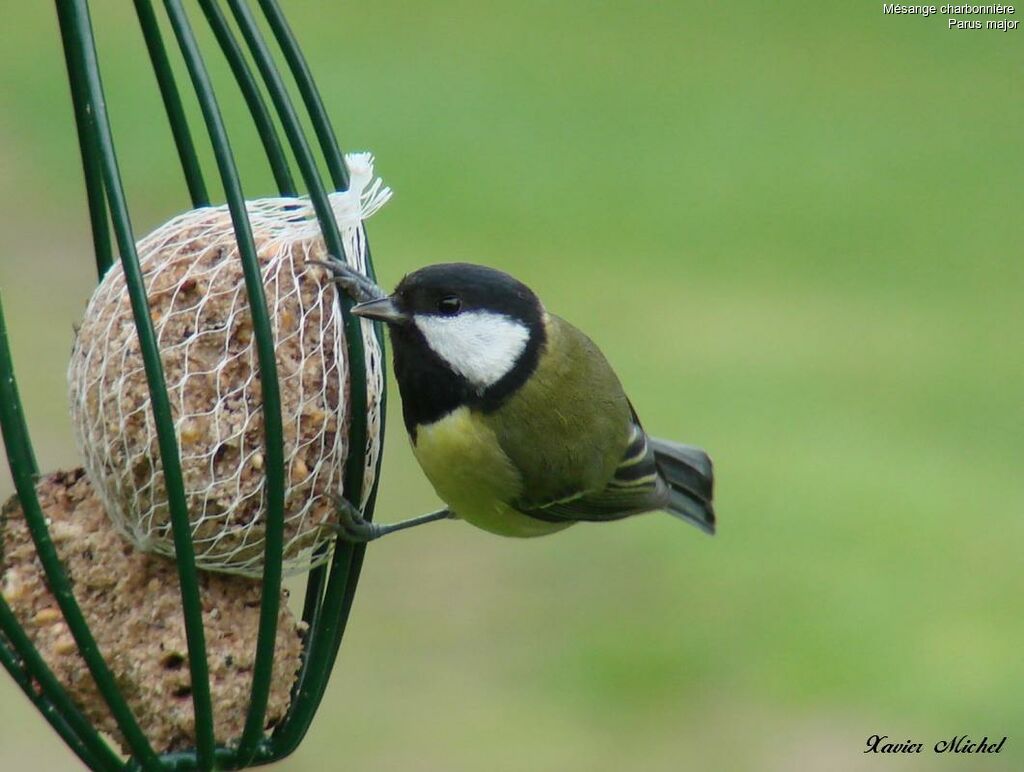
{"x":450,"y":289}
{"x":462,"y":334}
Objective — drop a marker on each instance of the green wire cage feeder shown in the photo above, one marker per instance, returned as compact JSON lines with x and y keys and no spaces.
{"x":316,"y":219}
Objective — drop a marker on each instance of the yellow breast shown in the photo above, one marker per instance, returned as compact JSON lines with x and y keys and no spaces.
{"x":463,"y":460}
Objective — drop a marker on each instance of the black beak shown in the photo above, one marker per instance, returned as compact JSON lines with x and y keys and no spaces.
{"x":382,"y":309}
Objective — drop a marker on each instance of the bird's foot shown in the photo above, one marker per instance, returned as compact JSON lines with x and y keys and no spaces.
{"x":351,"y":525}
{"x":358,"y":287}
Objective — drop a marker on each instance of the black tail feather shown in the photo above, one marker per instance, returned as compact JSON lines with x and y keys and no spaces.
{"x":690,"y":477}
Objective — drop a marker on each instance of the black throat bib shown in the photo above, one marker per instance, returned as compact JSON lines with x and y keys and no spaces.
{"x":431,"y":389}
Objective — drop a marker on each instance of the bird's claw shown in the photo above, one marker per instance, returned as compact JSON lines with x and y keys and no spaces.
{"x":351,"y":526}
{"x":358,"y":287}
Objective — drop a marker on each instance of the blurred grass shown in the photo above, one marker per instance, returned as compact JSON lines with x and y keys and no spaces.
{"x":795,"y":229}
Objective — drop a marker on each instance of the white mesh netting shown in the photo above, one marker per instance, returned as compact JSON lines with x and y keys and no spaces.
{"x":200,"y":311}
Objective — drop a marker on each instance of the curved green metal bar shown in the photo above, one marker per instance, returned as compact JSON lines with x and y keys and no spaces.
{"x":185,"y":761}
{"x":310,"y":690}
{"x":313,"y":673}
{"x":328,"y":609}
{"x":17,"y":652}
{"x":85,"y":125}
{"x":339,"y":173}
{"x":25,"y":676}
{"x":336,"y":164}
{"x":190,"y":165}
{"x":308,"y":91}
{"x":251,"y":92}
{"x":24,"y":472}
{"x":79,"y":24}
{"x":326,"y":635}
{"x":313,"y":102}
{"x":266,"y":355}
{"x":303,"y":77}
{"x":317,"y":575}
{"x":293,"y":130}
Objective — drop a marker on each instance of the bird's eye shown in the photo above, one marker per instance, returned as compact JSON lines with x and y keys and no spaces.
{"x":449,"y":305}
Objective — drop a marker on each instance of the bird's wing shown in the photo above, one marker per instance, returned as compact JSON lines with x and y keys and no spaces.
{"x":635,"y":487}
{"x":574,"y":439}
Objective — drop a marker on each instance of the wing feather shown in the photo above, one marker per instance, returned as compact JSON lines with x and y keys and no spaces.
{"x":634,"y":487}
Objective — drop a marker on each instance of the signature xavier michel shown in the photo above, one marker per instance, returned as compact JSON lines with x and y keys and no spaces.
{"x":879,"y":743}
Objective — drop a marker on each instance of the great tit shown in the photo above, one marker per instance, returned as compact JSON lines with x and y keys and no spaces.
{"x":515,"y":416}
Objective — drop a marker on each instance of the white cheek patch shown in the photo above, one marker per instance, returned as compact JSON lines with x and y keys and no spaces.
{"x":481,"y":346}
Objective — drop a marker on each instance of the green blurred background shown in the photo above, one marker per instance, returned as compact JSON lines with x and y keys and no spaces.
{"x":794,"y":228}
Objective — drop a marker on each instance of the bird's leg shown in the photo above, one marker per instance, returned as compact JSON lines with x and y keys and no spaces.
{"x":352,"y":527}
{"x":358,"y":287}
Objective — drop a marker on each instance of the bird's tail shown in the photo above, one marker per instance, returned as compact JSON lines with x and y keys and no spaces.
{"x":690,"y":478}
